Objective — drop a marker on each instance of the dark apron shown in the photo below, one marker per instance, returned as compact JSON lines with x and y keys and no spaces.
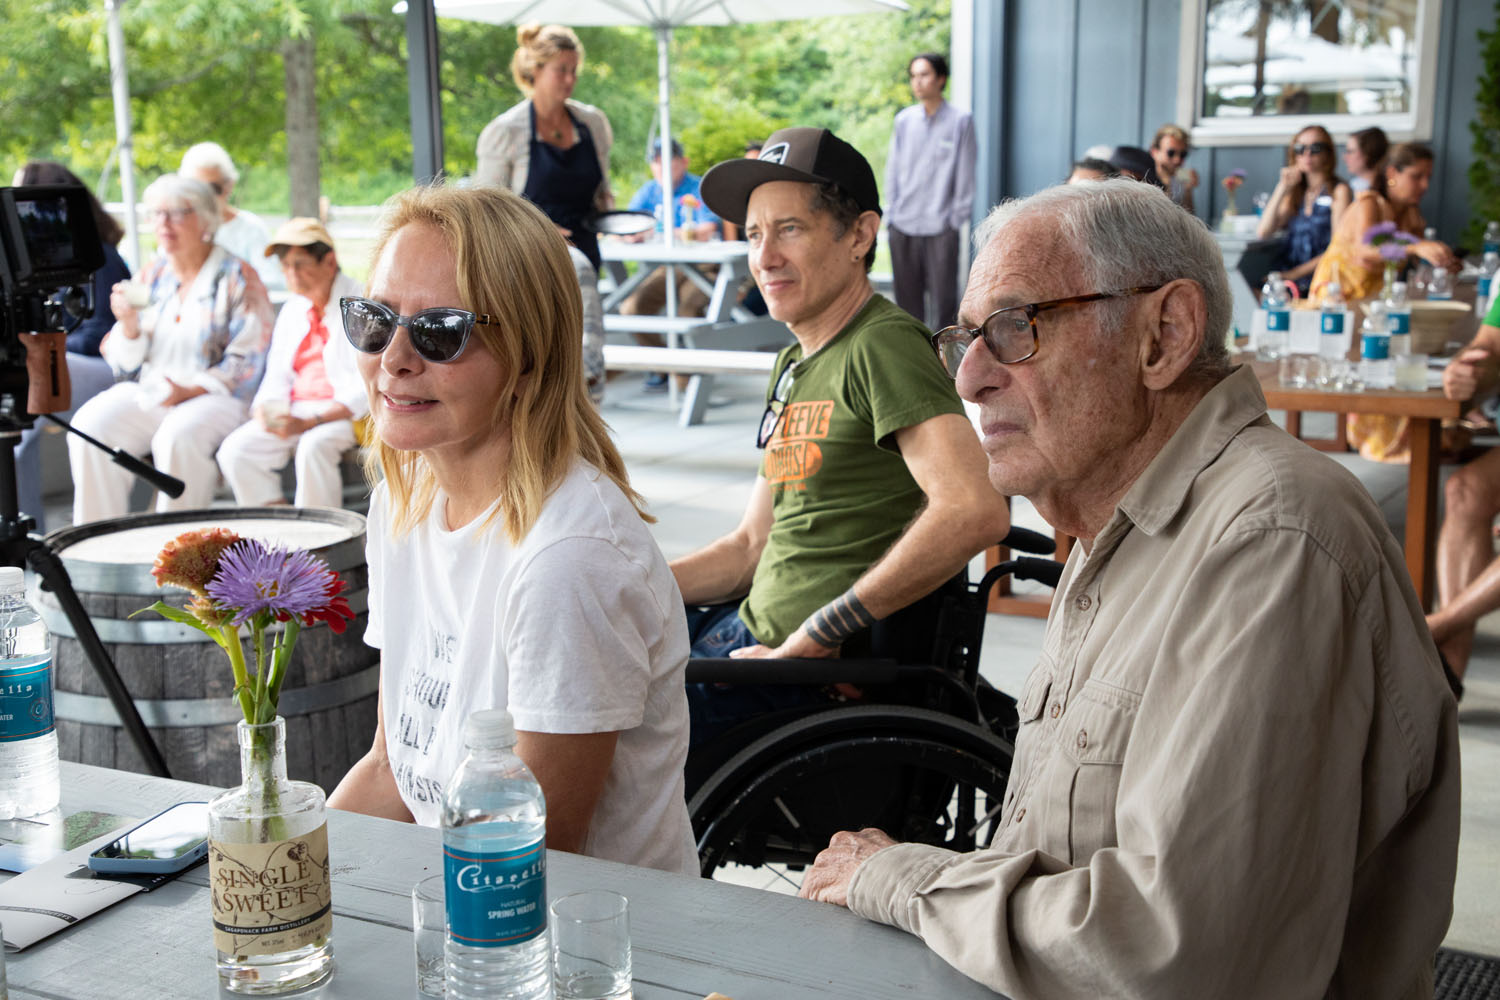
{"x":562,"y":183}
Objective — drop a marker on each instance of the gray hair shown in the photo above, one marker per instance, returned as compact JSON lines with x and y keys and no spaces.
{"x":209,"y":156}
{"x":171,"y":189}
{"x":1127,"y":234}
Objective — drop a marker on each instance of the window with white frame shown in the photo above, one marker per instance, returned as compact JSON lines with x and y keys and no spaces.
{"x":1255,"y":71}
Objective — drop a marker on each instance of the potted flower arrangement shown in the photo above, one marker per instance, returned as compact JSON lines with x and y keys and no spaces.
{"x":268,"y":840}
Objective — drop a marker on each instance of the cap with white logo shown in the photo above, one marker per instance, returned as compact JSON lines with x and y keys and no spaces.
{"x":809,"y":155}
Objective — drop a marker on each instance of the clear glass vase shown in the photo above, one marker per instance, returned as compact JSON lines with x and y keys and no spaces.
{"x":268,"y":872}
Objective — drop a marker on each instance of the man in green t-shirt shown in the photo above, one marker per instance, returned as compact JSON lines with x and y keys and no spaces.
{"x":1468,"y":570}
{"x":873,"y":490}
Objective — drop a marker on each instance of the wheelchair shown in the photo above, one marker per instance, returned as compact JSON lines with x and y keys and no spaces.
{"x":924,"y":754}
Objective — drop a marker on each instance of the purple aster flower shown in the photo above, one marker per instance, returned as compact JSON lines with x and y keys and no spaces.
{"x":1238,"y":172}
{"x":1379,"y":229}
{"x":283,"y":583}
{"x":1393,"y":250}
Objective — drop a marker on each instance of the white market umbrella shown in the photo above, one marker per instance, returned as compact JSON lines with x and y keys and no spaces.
{"x":661,"y":16}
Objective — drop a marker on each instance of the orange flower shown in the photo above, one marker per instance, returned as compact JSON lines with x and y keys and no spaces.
{"x":191,"y":559}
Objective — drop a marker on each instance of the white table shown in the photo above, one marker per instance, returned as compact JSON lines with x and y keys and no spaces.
{"x":724,"y":325}
{"x":690,"y":936}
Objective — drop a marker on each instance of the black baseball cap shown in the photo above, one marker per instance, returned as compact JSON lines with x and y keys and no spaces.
{"x":809,"y":155}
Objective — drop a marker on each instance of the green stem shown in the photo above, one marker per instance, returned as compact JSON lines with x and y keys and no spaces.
{"x":258,"y":630}
{"x":282,"y":656}
{"x":231,"y":634}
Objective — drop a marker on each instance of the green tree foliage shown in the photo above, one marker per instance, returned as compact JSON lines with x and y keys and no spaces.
{"x":207,"y":69}
{"x":1484,"y":171}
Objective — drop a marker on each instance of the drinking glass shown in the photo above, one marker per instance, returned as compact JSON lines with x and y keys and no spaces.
{"x":591,"y":946}
{"x":429,"y":922}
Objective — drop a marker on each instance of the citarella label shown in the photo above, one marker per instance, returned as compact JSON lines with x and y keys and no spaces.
{"x":495,"y":899}
{"x":270,"y":898}
{"x":26,"y":702}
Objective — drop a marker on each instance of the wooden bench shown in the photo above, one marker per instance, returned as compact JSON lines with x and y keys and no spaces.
{"x":702,"y":363}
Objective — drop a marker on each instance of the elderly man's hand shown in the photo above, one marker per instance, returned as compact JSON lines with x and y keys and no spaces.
{"x":1461,"y":377}
{"x":827,"y":881}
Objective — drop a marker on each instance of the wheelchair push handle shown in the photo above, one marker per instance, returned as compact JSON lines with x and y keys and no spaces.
{"x":1047,"y":571}
{"x":1025,"y":540}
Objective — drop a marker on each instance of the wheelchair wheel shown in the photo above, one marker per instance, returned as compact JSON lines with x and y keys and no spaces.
{"x":917,"y":774}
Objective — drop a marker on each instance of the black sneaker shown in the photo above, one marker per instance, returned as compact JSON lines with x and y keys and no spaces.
{"x":655,"y":382}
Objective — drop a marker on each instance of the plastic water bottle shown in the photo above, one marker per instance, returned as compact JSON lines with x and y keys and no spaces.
{"x":1487,"y":269}
{"x":1277,"y":304}
{"x":1398,"y":317}
{"x":1440,"y":288}
{"x":1491,"y":237}
{"x":1331,"y":340}
{"x":29,"y":781}
{"x":1422,"y":272}
{"x":1376,"y":370}
{"x":495,"y":869}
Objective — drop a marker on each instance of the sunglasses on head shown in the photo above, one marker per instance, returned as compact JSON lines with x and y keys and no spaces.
{"x":438,"y":335}
{"x":1315,"y":148}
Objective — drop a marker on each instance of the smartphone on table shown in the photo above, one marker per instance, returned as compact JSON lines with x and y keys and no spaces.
{"x":168,"y":842}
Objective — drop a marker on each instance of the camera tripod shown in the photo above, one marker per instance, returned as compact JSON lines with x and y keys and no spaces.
{"x":18,"y":547}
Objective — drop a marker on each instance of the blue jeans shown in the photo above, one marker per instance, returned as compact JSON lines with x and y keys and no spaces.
{"x":714,"y":709}
{"x":89,"y":376}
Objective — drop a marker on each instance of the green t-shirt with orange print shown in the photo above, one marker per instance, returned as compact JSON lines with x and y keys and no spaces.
{"x":841,"y":492}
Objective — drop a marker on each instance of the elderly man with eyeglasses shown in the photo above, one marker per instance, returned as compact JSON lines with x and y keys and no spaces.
{"x":872,"y":492}
{"x":1237,"y":771}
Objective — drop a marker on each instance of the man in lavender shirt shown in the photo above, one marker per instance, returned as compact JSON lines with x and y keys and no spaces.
{"x":929,"y":188}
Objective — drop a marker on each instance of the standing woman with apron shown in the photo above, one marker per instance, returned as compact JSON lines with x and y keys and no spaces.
{"x":550,"y":148}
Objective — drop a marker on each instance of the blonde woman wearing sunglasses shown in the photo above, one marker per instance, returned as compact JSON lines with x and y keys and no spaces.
{"x":510,"y":563}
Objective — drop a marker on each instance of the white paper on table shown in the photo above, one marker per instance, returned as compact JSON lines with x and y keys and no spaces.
{"x":46,"y":899}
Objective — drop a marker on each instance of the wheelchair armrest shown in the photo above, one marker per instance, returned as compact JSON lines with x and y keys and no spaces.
{"x":728,"y":670}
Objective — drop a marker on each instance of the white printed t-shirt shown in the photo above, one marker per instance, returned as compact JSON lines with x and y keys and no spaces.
{"x":578,"y":629}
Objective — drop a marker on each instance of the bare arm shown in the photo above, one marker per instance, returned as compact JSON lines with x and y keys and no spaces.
{"x":722,"y":571}
{"x":571,"y":769}
{"x":1280,"y":208}
{"x":370,"y":787}
{"x":1343,"y":197}
{"x":1473,"y":372}
{"x":963,"y":515}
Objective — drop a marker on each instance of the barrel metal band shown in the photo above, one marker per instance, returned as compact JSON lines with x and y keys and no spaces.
{"x":172,"y":713}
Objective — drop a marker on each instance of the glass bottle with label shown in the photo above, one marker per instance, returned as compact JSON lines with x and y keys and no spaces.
{"x":268,"y":872}
{"x":28,"y":743}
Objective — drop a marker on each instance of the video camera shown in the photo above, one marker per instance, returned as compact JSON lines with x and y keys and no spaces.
{"x":49,"y":250}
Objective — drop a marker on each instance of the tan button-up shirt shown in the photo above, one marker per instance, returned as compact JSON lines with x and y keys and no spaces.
{"x":1237,"y":773}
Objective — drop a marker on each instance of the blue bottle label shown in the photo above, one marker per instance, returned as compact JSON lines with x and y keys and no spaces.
{"x":1400,"y":324}
{"x":1278,"y":320}
{"x":496,"y":899}
{"x":26,"y":702}
{"x":1375,"y":348}
{"x":1333,"y":322}
{"x":1484,"y":286}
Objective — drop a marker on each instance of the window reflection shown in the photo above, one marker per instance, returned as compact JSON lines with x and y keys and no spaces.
{"x":1309,"y":57}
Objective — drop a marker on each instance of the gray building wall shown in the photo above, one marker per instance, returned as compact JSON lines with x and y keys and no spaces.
{"x":1054,"y":77}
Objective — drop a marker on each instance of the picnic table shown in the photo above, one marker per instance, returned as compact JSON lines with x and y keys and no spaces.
{"x":726,"y":339}
{"x":690,"y":936}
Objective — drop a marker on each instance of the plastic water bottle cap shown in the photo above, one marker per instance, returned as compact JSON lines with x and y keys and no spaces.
{"x":12,"y":580}
{"x":490,"y":729}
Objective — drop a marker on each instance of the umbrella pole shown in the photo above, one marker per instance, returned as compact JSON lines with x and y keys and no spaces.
{"x":668,"y":192}
{"x":120,"y":86}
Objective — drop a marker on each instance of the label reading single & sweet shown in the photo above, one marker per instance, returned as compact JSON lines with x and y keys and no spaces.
{"x":270,"y":898}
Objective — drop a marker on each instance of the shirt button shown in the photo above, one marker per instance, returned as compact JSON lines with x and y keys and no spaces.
{"x":1083,"y":739}
{"x":1083,"y":602}
{"x":1020,"y":814}
{"x":1056,"y":710}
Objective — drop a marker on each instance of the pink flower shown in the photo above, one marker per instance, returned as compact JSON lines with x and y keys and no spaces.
{"x":191,"y":559}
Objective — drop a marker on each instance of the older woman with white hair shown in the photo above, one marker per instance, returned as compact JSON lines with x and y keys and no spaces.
{"x":189,"y":342}
{"x":241,"y":232}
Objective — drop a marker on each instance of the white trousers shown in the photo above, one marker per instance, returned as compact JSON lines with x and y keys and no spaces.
{"x":181,"y":441}
{"x":252,"y":458}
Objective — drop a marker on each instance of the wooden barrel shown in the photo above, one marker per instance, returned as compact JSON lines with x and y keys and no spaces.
{"x":181,"y":682}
